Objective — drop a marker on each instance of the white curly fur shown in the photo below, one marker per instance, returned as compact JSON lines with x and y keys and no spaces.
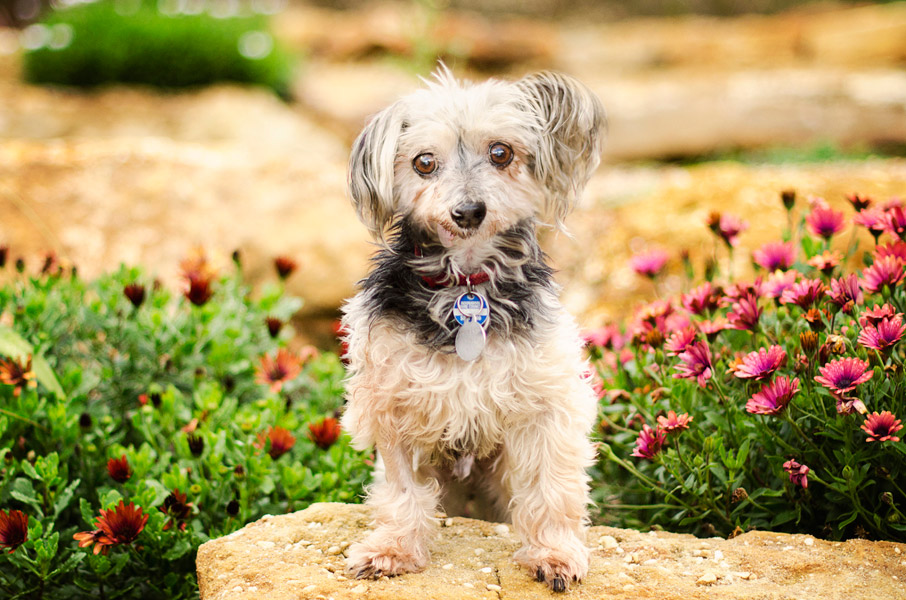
{"x":515,"y":420}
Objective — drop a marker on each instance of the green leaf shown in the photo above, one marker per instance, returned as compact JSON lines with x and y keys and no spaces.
{"x":14,"y":346}
{"x":182,"y":546}
{"x":64,"y":498}
{"x":23,"y":491}
{"x":69,"y":565}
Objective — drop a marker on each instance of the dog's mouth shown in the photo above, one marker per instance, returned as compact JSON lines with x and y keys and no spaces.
{"x":446,"y":236}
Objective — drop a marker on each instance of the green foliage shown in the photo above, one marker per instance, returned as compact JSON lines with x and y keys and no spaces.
{"x":172,"y":387}
{"x":729,"y":470}
{"x":131,"y":41}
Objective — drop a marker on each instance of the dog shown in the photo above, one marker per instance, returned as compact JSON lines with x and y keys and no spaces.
{"x":464,"y":371}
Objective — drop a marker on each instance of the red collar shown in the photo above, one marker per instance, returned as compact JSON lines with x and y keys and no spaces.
{"x":448,"y":281}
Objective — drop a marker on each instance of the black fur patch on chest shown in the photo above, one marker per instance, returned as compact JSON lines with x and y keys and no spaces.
{"x":520,"y":282}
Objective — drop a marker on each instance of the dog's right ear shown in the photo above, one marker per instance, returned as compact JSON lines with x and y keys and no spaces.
{"x":371,"y":169}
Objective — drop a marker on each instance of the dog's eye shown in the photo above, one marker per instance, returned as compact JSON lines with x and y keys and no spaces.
{"x":500,"y":154}
{"x":425,"y":164}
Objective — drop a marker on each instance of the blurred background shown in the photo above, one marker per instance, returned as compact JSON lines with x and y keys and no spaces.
{"x":135,"y":130}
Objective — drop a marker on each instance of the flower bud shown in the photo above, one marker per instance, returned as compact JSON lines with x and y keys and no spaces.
{"x":788,"y":197}
{"x":808,"y":341}
{"x":738,"y":495}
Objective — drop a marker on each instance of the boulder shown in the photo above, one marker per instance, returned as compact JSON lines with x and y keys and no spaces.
{"x":300,"y":556}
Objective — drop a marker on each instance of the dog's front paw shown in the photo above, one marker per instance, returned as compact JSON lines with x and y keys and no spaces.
{"x":366,"y":561}
{"x":557,"y":568}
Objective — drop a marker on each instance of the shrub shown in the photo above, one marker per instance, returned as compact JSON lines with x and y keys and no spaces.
{"x":131,"y":41}
{"x":135,"y":424}
{"x":768,"y":404}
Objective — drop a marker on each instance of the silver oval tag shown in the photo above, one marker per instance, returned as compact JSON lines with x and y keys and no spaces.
{"x":470,"y":340}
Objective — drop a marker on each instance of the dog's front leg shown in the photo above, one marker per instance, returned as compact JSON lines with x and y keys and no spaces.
{"x":404,"y":517}
{"x":546,"y":460}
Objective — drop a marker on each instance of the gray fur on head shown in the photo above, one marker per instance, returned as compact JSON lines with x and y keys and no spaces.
{"x":557,"y":119}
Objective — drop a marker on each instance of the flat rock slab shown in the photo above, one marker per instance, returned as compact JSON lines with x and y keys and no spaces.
{"x":301,"y":556}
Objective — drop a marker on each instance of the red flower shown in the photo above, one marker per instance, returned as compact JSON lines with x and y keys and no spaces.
{"x":199,"y":276}
{"x":650,"y":263}
{"x":761,"y":364}
{"x":726,"y":227}
{"x":119,"y":525}
{"x":887,"y":271}
{"x":695,"y":363}
{"x":824,"y":221}
{"x":673,"y":422}
{"x":119,"y":469}
{"x":881,"y":427}
{"x":284,"y":266}
{"x":883,"y":335}
{"x":281,"y":441}
{"x":745,"y":313}
{"x":704,"y":298}
{"x":804,"y":294}
{"x":798,"y":472}
{"x":649,"y":442}
{"x":680,"y":340}
{"x":13,"y":529}
{"x":775,"y":255}
{"x":17,"y":373}
{"x":177,"y":509}
{"x":279,"y":370}
{"x":844,"y":374}
{"x":274,"y":325}
{"x":774,"y":397}
{"x":135,"y":292}
{"x":324,"y":433}
{"x":858,"y":201}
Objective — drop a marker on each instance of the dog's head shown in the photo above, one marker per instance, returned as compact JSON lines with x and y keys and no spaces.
{"x":464,"y":162}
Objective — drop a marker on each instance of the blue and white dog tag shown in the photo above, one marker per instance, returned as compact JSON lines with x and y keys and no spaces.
{"x":472,"y":312}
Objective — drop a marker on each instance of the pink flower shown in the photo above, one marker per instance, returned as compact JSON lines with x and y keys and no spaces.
{"x":608,"y":336}
{"x":711,"y":328}
{"x":727,"y":227}
{"x":826,"y":261}
{"x":845,"y":292}
{"x":775,"y":255}
{"x":778,"y":282}
{"x":774,"y":397}
{"x":896,"y":249}
{"x":798,"y":472}
{"x":824,"y":221}
{"x":804,"y":294}
{"x":705,"y":297}
{"x":896,"y":220}
{"x":858,"y":201}
{"x":874,"y":220}
{"x":883,"y":335}
{"x":877,"y":314}
{"x":884,"y":271}
{"x":844,"y":374}
{"x":649,"y":263}
{"x":761,"y":364}
{"x":745,"y":313}
{"x":680,"y":340}
{"x":882,"y":427}
{"x":695,"y":363}
{"x":649,"y":442}
{"x":673,"y":422}
{"x":847,"y":406}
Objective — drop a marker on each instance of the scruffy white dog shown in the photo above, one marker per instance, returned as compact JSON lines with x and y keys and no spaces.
{"x":465,"y":372}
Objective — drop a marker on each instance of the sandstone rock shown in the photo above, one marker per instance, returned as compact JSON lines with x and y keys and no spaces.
{"x":670,"y":567}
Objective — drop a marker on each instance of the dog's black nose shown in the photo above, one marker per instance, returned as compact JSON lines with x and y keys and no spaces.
{"x":469,"y":215}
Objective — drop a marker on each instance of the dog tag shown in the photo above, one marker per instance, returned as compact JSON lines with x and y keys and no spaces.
{"x":470,"y":340}
{"x":471,"y":305}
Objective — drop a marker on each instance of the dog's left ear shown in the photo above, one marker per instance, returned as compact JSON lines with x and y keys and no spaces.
{"x":572,"y":125}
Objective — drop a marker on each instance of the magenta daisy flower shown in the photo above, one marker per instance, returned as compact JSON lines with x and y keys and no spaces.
{"x":705,"y":297}
{"x":881,"y":427}
{"x":798,"y":472}
{"x":778,"y":282}
{"x":726,"y":227}
{"x":896,"y":249}
{"x":649,"y":442}
{"x":859,"y":201}
{"x":774,"y":396}
{"x":896,"y":220}
{"x":745,"y":313}
{"x":608,"y":336}
{"x":887,"y":271}
{"x":761,"y":364}
{"x":650,"y":263}
{"x":673,"y":422}
{"x":872,"y":219}
{"x":844,"y":374}
{"x":695,"y":363}
{"x":884,"y":334}
{"x":804,"y":294}
{"x":680,"y":340}
{"x":875,"y":315}
{"x":775,"y":255}
{"x":845,"y":292}
{"x":824,"y":221}
{"x":711,"y":328}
